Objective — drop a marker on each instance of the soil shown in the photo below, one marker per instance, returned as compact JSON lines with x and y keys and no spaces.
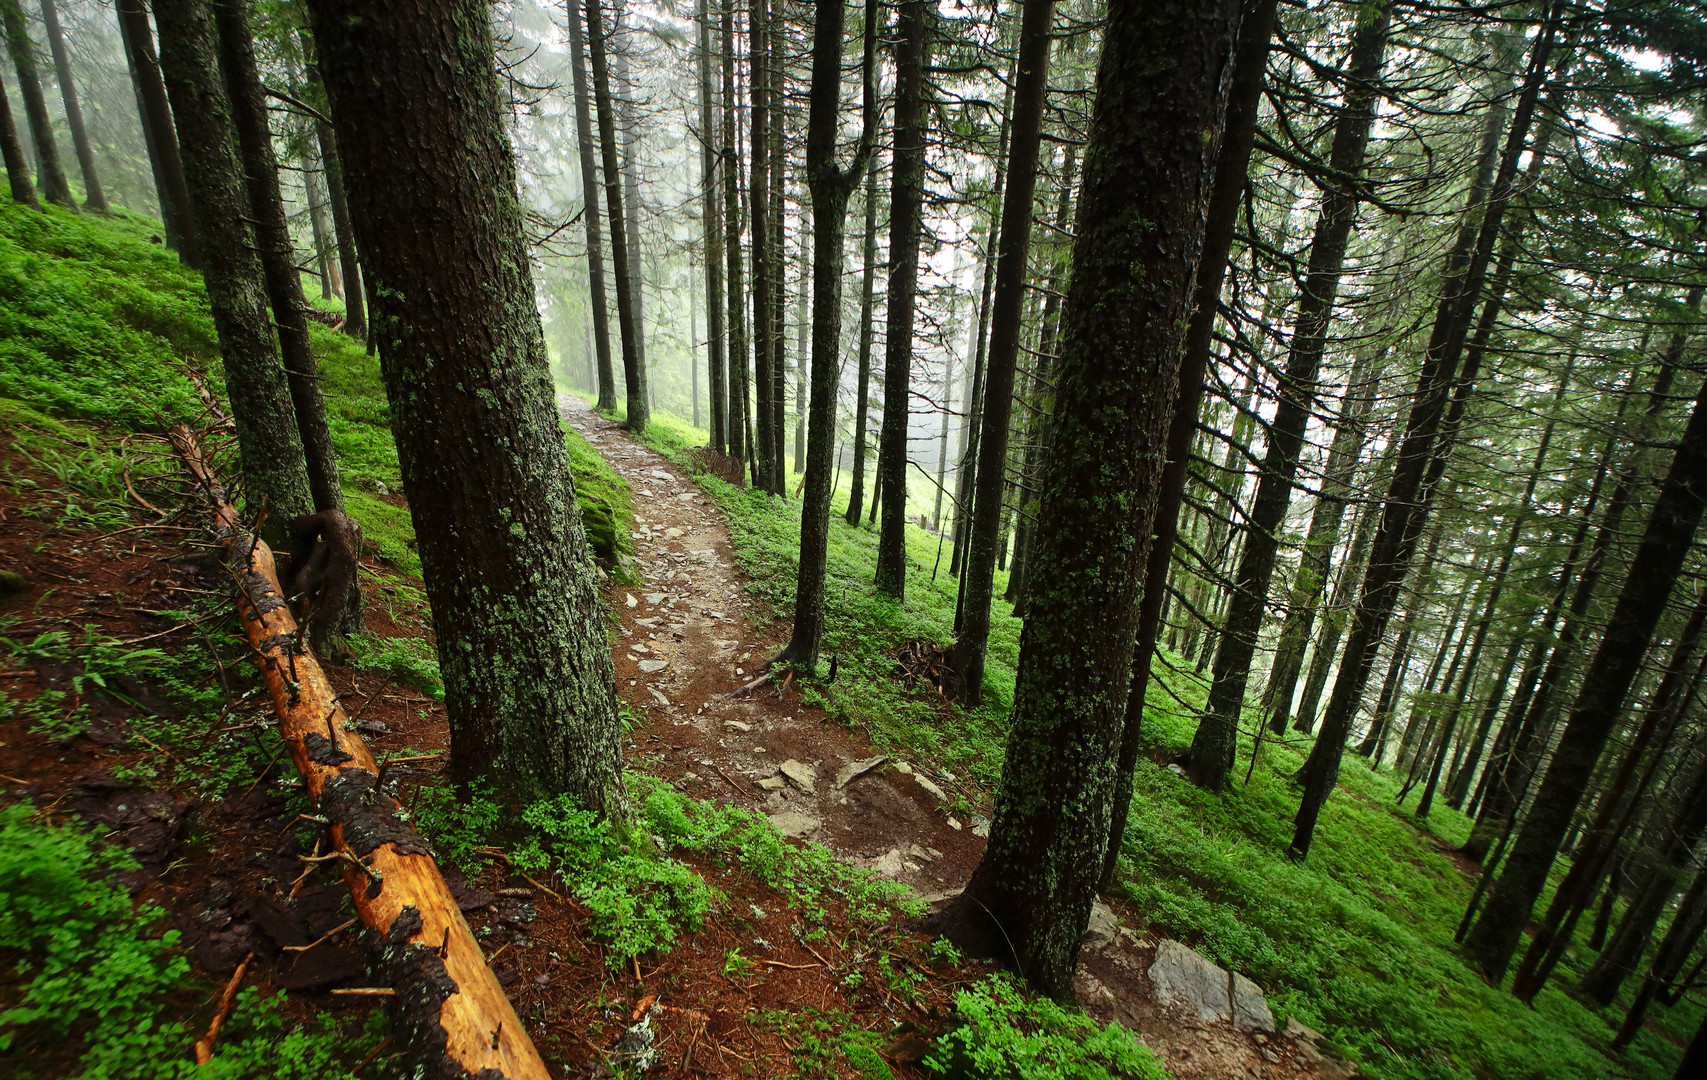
{"x":229,"y":870}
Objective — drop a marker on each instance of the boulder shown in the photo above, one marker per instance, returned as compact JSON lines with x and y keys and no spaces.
{"x":1182,"y":975}
{"x":1102,"y":927}
{"x":1250,"y":1008}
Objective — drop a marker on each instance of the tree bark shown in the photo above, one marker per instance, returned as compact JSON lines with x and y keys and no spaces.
{"x":93,"y":197}
{"x":1012,"y":256}
{"x":325,"y":247}
{"x":906,"y":199}
{"x":596,"y":299}
{"x":862,"y":383}
{"x":765,"y":342}
{"x":627,"y":313}
{"x":155,"y":113}
{"x":739,"y":398}
{"x":50,"y":175}
{"x":1152,"y":147}
{"x":17,"y":168}
{"x":275,"y":474}
{"x":529,"y":686}
{"x":621,"y":98}
{"x":1232,"y":168}
{"x":1652,"y":575}
{"x":711,"y":215}
{"x":278,"y":257}
{"x":831,"y":186}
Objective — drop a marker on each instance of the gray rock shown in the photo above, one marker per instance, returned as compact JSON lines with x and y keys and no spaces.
{"x":930,"y":785}
{"x":793,"y":823}
{"x":981,"y":826}
{"x":656,"y":598}
{"x":853,"y":770}
{"x":1103,"y":926}
{"x":1250,"y":1008}
{"x":652,"y":667}
{"x":657,"y":696}
{"x":773,"y":783}
{"x":737,"y":725}
{"x":889,"y":864}
{"x":799,"y":774}
{"x":1182,"y":975}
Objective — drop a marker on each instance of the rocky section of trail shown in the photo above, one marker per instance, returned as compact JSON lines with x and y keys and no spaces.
{"x":691,"y":638}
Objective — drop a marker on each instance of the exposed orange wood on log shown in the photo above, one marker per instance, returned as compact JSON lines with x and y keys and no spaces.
{"x":449,"y":1013}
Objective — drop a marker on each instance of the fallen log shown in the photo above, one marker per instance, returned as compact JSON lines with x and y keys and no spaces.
{"x":447,"y":1011}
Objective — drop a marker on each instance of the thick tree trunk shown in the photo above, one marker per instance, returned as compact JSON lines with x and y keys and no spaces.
{"x":50,"y":175}
{"x":1652,"y":575}
{"x":275,"y":475}
{"x":862,"y":380}
{"x":831,"y":186}
{"x":906,"y":197}
{"x":157,"y":129}
{"x":93,"y":197}
{"x":1232,"y":167}
{"x":529,"y":686}
{"x":711,"y":216}
{"x":1151,"y":150}
{"x":620,"y":96}
{"x":1216,"y":741}
{"x":17,"y":168}
{"x":627,"y":313}
{"x":1012,"y":257}
{"x":1441,"y":391}
{"x":278,"y":257}
{"x":584,"y":150}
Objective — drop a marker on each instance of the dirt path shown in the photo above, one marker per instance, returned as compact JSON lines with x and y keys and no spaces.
{"x":693,"y":635}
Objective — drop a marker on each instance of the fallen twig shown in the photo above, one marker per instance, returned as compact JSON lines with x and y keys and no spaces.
{"x":327,"y":936}
{"x":204,"y":1045}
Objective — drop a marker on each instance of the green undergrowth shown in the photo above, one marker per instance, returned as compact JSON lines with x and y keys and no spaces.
{"x":1357,"y":941}
{"x":97,"y":977}
{"x":629,"y":875}
{"x":1003,"y":1032}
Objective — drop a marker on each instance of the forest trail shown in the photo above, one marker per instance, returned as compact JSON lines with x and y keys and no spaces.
{"x":693,"y":635}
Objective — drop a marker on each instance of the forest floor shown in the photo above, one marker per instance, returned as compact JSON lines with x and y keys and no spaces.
{"x":694,"y":638}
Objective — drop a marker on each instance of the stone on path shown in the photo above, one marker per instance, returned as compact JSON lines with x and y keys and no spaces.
{"x":853,"y":770}
{"x":628,"y":598}
{"x":658,"y":696}
{"x":930,"y":785}
{"x":793,"y":823}
{"x":652,"y":667}
{"x":889,"y":864}
{"x":1102,"y":927}
{"x":1250,"y":1008}
{"x":799,"y":774}
{"x":656,"y":598}
{"x":773,"y":783}
{"x":1182,"y":975}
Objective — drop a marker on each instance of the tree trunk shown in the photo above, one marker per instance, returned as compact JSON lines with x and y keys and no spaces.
{"x":50,"y":176}
{"x":1335,"y":616}
{"x":1012,"y":256}
{"x":278,"y":257}
{"x":325,"y":247}
{"x":1648,"y":585}
{"x":862,"y":383}
{"x":1428,"y":433}
{"x":355,"y":288}
{"x":1615,"y":811}
{"x":1315,"y":561}
{"x":529,"y":686}
{"x":17,"y":168}
{"x":596,"y":299}
{"x":620,"y":96}
{"x":1152,"y":146}
{"x":830,"y":186}
{"x":275,"y":475}
{"x":711,"y":214}
{"x":627,"y":313}
{"x":1232,"y":168}
{"x":739,"y":398}
{"x":801,"y":323}
{"x":1685,"y":930}
{"x":1216,"y":741}
{"x":765,"y":350}
{"x":93,"y":197}
{"x":906,"y":198}
{"x":156,"y":116}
